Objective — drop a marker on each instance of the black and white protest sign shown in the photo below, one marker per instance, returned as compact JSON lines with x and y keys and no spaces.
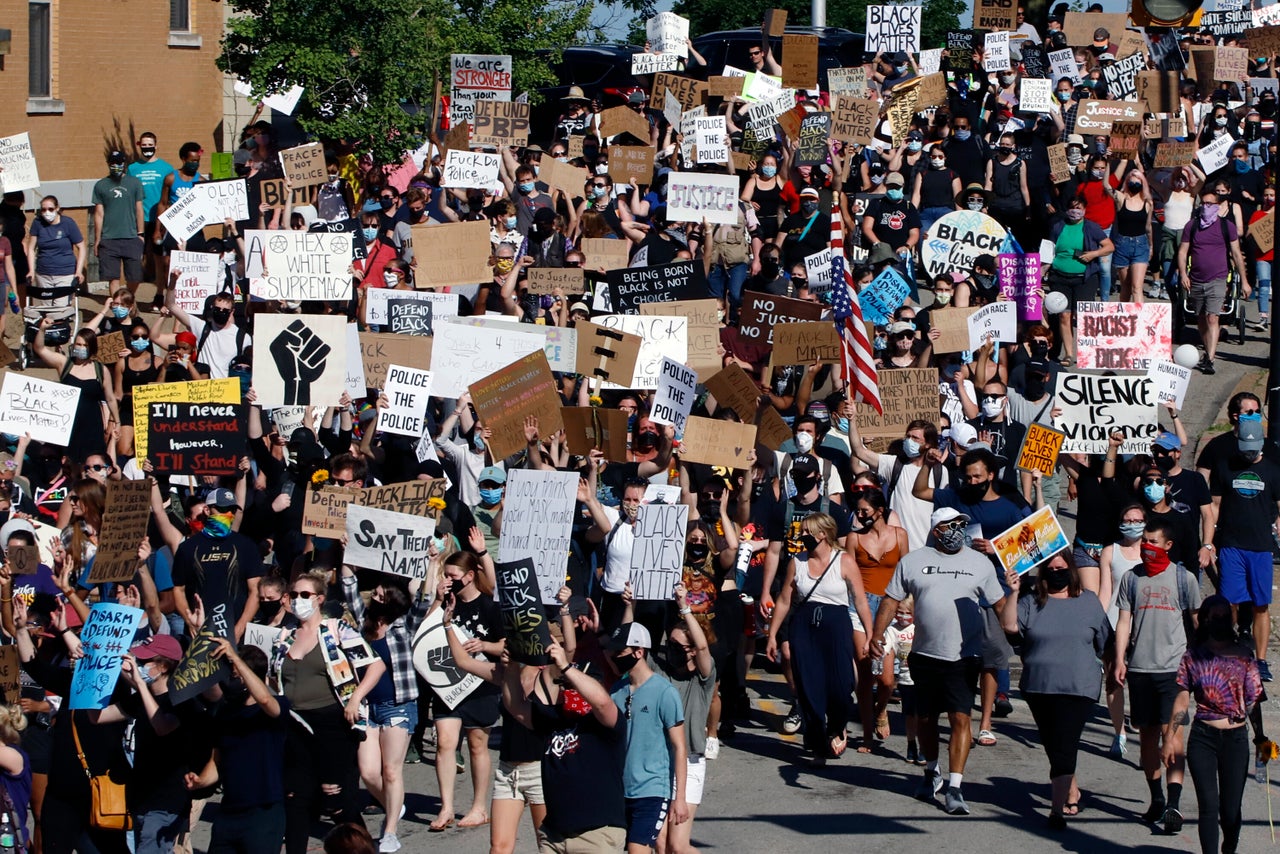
{"x":695,"y":196}
{"x":537,"y":522}
{"x":1169,"y":382}
{"x":300,"y":359}
{"x":407,"y":390}
{"x":18,"y":164}
{"x":1120,"y":76}
{"x":524,"y":620}
{"x":197,"y":438}
{"x":676,"y":393}
{"x":43,"y":408}
{"x":893,"y":28}
{"x":435,"y":664}
{"x":388,"y":541}
{"x":470,"y":170}
{"x":409,"y":316}
{"x":350,"y":225}
{"x":1094,"y":406}
{"x":301,"y":265}
{"x":657,"y":556}
{"x":631,"y":287}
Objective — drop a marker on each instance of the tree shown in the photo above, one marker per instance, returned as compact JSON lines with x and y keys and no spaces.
{"x":369,"y":66}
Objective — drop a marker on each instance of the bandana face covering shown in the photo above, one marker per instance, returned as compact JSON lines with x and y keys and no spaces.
{"x":218,"y":524}
{"x":1154,"y":559}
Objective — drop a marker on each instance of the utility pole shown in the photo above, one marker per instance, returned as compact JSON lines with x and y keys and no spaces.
{"x":818,"y":12}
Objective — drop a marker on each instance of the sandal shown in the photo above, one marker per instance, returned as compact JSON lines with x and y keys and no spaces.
{"x":839,"y":743}
{"x":986,"y":738}
{"x":1067,"y":361}
{"x":1072,"y":808}
{"x":882,"y":725}
{"x":440,"y":828}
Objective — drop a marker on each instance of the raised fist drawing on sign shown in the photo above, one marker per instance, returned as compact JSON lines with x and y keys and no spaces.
{"x":300,"y":357}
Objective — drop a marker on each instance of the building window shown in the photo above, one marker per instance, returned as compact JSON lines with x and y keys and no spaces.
{"x":40,"y":61}
{"x":179,"y":16}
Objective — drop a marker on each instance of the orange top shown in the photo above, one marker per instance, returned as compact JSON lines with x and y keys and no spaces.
{"x":876,"y":573}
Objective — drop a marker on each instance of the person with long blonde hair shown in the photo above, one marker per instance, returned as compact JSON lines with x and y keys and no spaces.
{"x":15,"y":767}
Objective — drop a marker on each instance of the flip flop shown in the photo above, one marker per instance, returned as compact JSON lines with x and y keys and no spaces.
{"x":986,"y":738}
{"x":466,"y":826}
{"x":839,"y":743}
{"x":882,"y":726}
{"x":440,"y":828}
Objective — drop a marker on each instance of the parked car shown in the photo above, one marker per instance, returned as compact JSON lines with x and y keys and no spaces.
{"x":602,"y":71}
{"x":837,"y":48}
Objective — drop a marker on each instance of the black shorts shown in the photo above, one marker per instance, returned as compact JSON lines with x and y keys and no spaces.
{"x":1151,"y":697}
{"x":944,"y":686}
{"x":126,"y":252}
{"x":1081,"y":288}
{"x":480,"y":710}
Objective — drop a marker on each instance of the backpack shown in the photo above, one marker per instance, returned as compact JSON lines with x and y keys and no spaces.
{"x":935,"y":474}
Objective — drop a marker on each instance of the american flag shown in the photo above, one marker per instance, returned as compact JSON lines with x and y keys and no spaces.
{"x":855,"y":348}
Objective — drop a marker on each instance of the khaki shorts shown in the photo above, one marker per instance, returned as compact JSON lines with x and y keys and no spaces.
{"x":518,"y":782}
{"x":602,"y":840}
{"x":695,"y":779}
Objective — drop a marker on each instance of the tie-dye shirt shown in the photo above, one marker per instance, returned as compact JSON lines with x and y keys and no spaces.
{"x":1225,"y":686}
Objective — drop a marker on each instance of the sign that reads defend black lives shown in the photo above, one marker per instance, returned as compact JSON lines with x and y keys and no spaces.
{"x":196,"y":438}
{"x":524,"y":619}
{"x":631,"y":287}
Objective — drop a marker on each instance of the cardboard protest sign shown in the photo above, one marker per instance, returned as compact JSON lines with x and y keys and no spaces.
{"x":500,"y":124}
{"x":652,"y":63}
{"x":732,"y":387}
{"x":591,"y":428}
{"x":198,"y":391}
{"x":1263,"y":232}
{"x":761,"y":311}
{"x":775,"y":22}
{"x":893,"y":28}
{"x":505,"y":398}
{"x":717,"y":443}
{"x":377,"y":303}
{"x":1093,"y":406}
{"x":724,"y":87}
{"x":686,"y":90}
{"x":1159,"y":90}
{"x":106,"y":638}
{"x":198,"y":670}
{"x":43,"y":408}
{"x":1170,"y":155}
{"x":407,"y":390}
{"x":602,"y":253}
{"x":657,"y":554}
{"x":954,"y":241}
{"x":854,"y":119}
{"x":1169,"y":382}
{"x":197,"y":438}
{"x":200,"y":277}
{"x":997,"y":321}
{"x":1125,"y":139}
{"x":882,"y":297}
{"x":1019,"y":278}
{"x":261,"y":636}
{"x":23,"y":560}
{"x":537,"y":522}
{"x":475,"y":78}
{"x":124,"y":524}
{"x":18,"y":164}
{"x":1096,"y":117}
{"x":806,"y":343}
{"x":695,"y":196}
{"x":560,"y":343}
{"x":1169,"y":128}
{"x":386,"y":541}
{"x":632,"y":164}
{"x":301,"y":265}
{"x":995,"y":15}
{"x":631,"y":287}
{"x":952,"y":324}
{"x":901,"y":111}
{"x":471,"y":170}
{"x":675,"y":396}
{"x":109,"y":346}
{"x":1122,"y":336}
{"x":379,"y":350}
{"x":451,"y":254}
{"x":932,"y":91}
{"x":413,"y":497}
{"x":304,"y":165}
{"x":704,"y":330}
{"x":811,"y":148}
{"x":1080,"y":26}
{"x":463,"y":354}
{"x":762,"y":116}
{"x":1231,"y":64}
{"x":907,"y":395}
{"x":544,"y":280}
{"x":800,"y":61}
{"x":1264,"y":41}
{"x":274,"y":193}
{"x":524,"y":620}
{"x":662,"y":336}
{"x":10,"y":674}
{"x":325,"y":512}
{"x":433,"y":661}
{"x":607,"y":354}
{"x":300,"y":360}
{"x":619,"y":120}
{"x":1030,"y":542}
{"x":851,"y":82}
{"x":1040,"y":447}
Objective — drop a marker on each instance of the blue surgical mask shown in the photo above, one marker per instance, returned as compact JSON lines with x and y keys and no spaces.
{"x":512,"y":222}
{"x":900,"y":69}
{"x":597,"y":192}
{"x":808,"y":208}
{"x":768,"y":171}
{"x":119,"y":312}
{"x":490,"y":497}
{"x":911,"y":447}
{"x":1132,"y":530}
{"x":962,"y":135}
{"x":914,"y":145}
{"x":477,"y":442}
{"x":842,"y":425}
{"x":139,"y":345}
{"x":1154,"y":492}
{"x":147,"y":676}
{"x":370,"y":234}
{"x":894,"y":195}
{"x":526,"y":187}
{"x":80,"y":353}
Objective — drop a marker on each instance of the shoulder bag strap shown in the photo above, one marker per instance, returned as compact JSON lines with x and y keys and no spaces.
{"x":75,"y":733}
{"x":814,"y":589}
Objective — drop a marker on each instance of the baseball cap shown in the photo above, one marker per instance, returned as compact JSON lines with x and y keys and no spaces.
{"x":223,"y":499}
{"x":12,"y":527}
{"x":492,"y":474}
{"x":963,"y":434}
{"x":806,"y":463}
{"x":580,"y":306}
{"x":809,"y":191}
{"x":985,"y":262}
{"x":158,"y":646}
{"x":946,"y":514}
{"x":901,"y":326}
{"x":544,"y":216}
{"x":1168,"y":441}
{"x":1101,"y":36}
{"x":1249,"y":436}
{"x":629,"y":635}
{"x":117,"y":157}
{"x":894,"y":180}
{"x":636,"y":98}
{"x":1106,"y":57}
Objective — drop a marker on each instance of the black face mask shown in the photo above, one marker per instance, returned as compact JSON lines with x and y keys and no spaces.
{"x":809,"y":541}
{"x":624,"y":663}
{"x":267,"y":611}
{"x":457,"y":586}
{"x":1221,"y":629}
{"x":696,"y":553}
{"x":804,"y":483}
{"x":769,"y":269}
{"x":971,"y":493}
{"x":1056,"y":579}
{"x":1035,"y":388}
{"x":220,"y":315}
{"x":1164,"y":462}
{"x":235,"y":693}
{"x":709,"y":509}
{"x":646,"y":440}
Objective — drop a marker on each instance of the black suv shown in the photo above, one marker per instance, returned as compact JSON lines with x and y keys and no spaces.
{"x":837,"y":48}
{"x":603,"y":72}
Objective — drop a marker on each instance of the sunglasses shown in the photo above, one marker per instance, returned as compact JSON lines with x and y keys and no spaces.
{"x":96,"y":467}
{"x":49,"y":210}
{"x":905,"y":335}
{"x":73,"y":498}
{"x":953,"y":525}
{"x":600,"y":186}
{"x":338,"y":481}
{"x":302,"y":594}
{"x":137,"y":338}
{"x":1159,"y":480}
{"x":992,"y":397}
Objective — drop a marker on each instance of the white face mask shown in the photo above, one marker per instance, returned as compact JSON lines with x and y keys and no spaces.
{"x":49,"y":216}
{"x":391,"y":279}
{"x":303,"y":608}
{"x":804,"y":442}
{"x":602,"y":168}
{"x":991,"y":408}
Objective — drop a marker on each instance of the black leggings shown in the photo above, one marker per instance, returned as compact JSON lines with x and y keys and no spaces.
{"x":327,"y":755}
{"x":64,"y":828}
{"x":1060,"y":719}
{"x":1219,"y":763}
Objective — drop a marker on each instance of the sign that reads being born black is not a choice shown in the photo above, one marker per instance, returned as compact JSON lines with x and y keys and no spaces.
{"x":196,"y":438}
{"x":631,"y":287}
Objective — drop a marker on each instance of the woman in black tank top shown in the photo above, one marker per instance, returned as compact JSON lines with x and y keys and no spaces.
{"x":140,"y":367}
{"x":1131,"y":234}
{"x":934,"y":190}
{"x":764,"y":193}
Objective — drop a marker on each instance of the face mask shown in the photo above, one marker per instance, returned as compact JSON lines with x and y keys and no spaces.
{"x":976,"y":204}
{"x":527,"y":187}
{"x":267,"y":611}
{"x":602,"y":168}
{"x":191,"y":167}
{"x":119,"y":312}
{"x":910,"y":447}
{"x":1242,"y":167}
{"x":804,"y":442}
{"x":504,"y":265}
{"x":1208,"y":215}
{"x":942,"y":299}
{"x":1135,"y":186}
{"x":145,"y":672}
{"x":370,"y":234}
{"x":992,"y":408}
{"x":139,"y":345}
{"x":696,"y":553}
{"x":808,"y":208}
{"x":49,"y":216}
{"x":1154,"y":492}
{"x":221,"y":315}
{"x":1154,"y":559}
{"x":1007,"y":79}
{"x":881,"y":342}
{"x":1132,"y":530}
{"x":877,"y":180}
{"x":597,"y":193}
{"x":963,"y":135}
{"x":1220,"y":121}
{"x":900,"y":69}
{"x":1074,"y":156}
{"x":1097,"y":173}
{"x":1035,"y":388}
{"x":625,"y":662}
{"x":1164,"y":462}
{"x":1220,"y":628}
{"x":148,"y":151}
{"x":951,"y":541}
{"x":1064,"y":96}
{"x":894,"y":195}
{"x":80,"y":353}
{"x":971,"y":493}
{"x":386,"y":204}
{"x":805,"y":483}
{"x":768,"y":171}
{"x":261,"y":140}
{"x":390,"y":279}
{"x":116,"y":170}
{"x":1056,"y":579}
{"x":490,"y":497}
{"x":914,"y":146}
{"x":1075,"y":215}
{"x":809,"y":542}
{"x":218,"y":524}
{"x":303,"y":608}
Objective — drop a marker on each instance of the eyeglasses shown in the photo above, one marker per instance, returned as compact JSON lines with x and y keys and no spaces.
{"x":96,"y":467}
{"x":1133,"y":521}
{"x":73,"y":498}
{"x":302,"y":594}
{"x":992,"y":397}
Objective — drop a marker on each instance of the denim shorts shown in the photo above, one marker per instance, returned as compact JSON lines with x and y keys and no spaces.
{"x":1130,"y":250}
{"x":391,"y":714}
{"x":873,"y":605}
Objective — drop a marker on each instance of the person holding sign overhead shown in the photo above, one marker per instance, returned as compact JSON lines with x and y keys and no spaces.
{"x":96,"y":411}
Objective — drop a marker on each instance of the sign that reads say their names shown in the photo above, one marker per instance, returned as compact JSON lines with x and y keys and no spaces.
{"x":1094,"y":406}
{"x":45,"y":409}
{"x":18,"y":164}
{"x":197,"y":438}
{"x":676,"y":393}
{"x":893,"y":28}
{"x":631,"y":287}
{"x":657,"y":555}
{"x":105,"y":639}
{"x":300,"y":265}
{"x":407,"y":390}
{"x":386,"y":541}
{"x":537,"y":523}
{"x":470,"y":170}
{"x":304,"y":165}
{"x":1170,"y":382}
{"x":477,"y":77}
{"x":695,"y":196}
{"x":1122,"y":336}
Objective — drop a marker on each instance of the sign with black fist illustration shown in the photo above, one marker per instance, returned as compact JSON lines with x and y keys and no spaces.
{"x":299,"y":360}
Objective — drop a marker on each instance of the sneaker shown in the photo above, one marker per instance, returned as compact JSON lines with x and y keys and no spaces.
{"x":1172,"y":821}
{"x":413,"y":756}
{"x":712,"y":750}
{"x":460,"y":761}
{"x":955,"y":803}
{"x":1154,"y":812}
{"x":1118,"y":745}
{"x":1206,"y":366}
{"x":791,"y":725}
{"x":1264,"y":670}
{"x":389,"y":843}
{"x":912,"y":755}
{"x":1003,"y":708}
{"x":930,"y":786}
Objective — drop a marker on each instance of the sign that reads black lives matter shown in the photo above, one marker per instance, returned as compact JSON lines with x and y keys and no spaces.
{"x":631,"y":287}
{"x":196,"y":438}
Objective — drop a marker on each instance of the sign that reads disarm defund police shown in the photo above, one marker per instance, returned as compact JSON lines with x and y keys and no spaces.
{"x":1095,"y":406}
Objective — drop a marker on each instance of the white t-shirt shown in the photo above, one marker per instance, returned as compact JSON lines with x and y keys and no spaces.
{"x":617,"y":561}
{"x":219,"y":348}
{"x":468,"y":466}
{"x":913,"y":512}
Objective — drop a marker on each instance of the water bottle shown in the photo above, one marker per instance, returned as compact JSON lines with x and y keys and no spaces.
{"x":8,"y":844}
{"x":13,"y":302}
{"x":740,"y":567}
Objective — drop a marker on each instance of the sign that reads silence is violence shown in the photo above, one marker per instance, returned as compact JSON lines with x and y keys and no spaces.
{"x":1093,"y":406}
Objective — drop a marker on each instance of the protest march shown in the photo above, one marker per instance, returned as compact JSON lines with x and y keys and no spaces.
{"x":534,"y":455}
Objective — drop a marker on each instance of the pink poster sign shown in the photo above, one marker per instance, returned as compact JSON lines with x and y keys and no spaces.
{"x":1122,"y":336}
{"x":1019,"y":278}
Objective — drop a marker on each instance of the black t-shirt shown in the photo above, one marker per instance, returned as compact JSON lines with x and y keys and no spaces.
{"x":784,"y":523}
{"x":251,"y":754}
{"x":893,"y":221}
{"x":161,"y":761}
{"x":1222,"y":446}
{"x":804,"y":236}
{"x":1187,"y":493}
{"x":581,"y":770}
{"x":218,"y":570}
{"x":1006,"y":441}
{"x":1248,"y":509}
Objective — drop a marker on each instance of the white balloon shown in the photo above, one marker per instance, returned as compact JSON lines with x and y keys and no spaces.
{"x":1186,"y":356}
{"x":1055,"y":302}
